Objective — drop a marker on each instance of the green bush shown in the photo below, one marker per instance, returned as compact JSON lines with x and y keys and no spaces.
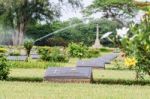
{"x":45,"y":49}
{"x":105,"y":49}
{"x":78,"y":50}
{"x":53,"y":54}
{"x":14,"y":53}
{"x":56,"y":42}
{"x":28,"y":44}
{"x":3,"y":50}
{"x":137,"y":45}
{"x":93,"y":53}
{"x":4,"y":69}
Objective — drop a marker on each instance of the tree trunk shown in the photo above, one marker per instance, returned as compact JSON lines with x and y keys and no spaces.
{"x":21,"y":34}
{"x":15,"y":37}
{"x":18,"y":35}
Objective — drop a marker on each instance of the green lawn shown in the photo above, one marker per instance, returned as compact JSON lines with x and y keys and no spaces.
{"x":108,"y":84}
{"x":98,"y":74}
{"x":24,"y":90}
{"x":44,"y":90}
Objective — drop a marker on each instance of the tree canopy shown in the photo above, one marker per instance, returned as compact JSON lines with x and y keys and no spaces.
{"x":116,"y":9}
{"x":17,"y":14}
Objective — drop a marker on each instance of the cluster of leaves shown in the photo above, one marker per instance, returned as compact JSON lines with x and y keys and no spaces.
{"x":138,"y":45}
{"x":56,"y":41}
{"x":3,"y":50}
{"x":28,"y":44}
{"x":77,"y":50}
{"x":82,"y":51}
{"x":53,"y":54}
{"x":14,"y":53}
{"x":93,"y":53}
{"x":4,"y":68}
{"x":114,"y":9}
{"x":18,"y":14}
{"x":80,"y":33}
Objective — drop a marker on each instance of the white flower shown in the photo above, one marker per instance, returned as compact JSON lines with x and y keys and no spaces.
{"x":138,"y":18}
{"x":106,"y":35}
{"x":122,"y":32}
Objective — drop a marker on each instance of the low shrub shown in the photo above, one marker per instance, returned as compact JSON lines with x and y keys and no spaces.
{"x":45,"y":49}
{"x":15,"y":53}
{"x":105,"y":49}
{"x":4,"y":68}
{"x":3,"y":50}
{"x":28,"y":44}
{"x":77,"y":50}
{"x":54,"y":54}
{"x":93,"y":53}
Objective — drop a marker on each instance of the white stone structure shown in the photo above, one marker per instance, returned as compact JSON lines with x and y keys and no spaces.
{"x":97,"y":41}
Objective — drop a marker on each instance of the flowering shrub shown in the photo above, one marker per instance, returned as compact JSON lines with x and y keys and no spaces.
{"x":137,"y":44}
{"x":130,"y":62}
{"x":120,"y":33}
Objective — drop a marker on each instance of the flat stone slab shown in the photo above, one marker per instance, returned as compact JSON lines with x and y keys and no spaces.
{"x":16,"y":58}
{"x":35,"y":56}
{"x":94,"y":63}
{"x":97,"y":62}
{"x":108,"y":58}
{"x":68,"y":74}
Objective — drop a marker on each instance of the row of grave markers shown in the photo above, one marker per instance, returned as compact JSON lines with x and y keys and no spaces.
{"x":81,"y":73}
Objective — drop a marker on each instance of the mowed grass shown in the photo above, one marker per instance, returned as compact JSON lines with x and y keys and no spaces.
{"x":24,"y":90}
{"x":45,"y":90}
{"x":41,"y":64}
{"x":97,"y":74}
{"x":23,"y":84}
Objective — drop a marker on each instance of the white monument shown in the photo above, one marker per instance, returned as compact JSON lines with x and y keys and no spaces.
{"x":97,"y":41}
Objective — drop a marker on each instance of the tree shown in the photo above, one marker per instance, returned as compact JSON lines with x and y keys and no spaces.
{"x":17,"y":14}
{"x":118,"y":10}
{"x":82,"y":32}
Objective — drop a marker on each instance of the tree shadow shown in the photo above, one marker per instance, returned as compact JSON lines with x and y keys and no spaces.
{"x":97,"y":81}
{"x":121,"y":82}
{"x":25,"y":79}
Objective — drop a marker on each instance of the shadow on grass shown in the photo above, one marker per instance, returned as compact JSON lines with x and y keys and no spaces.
{"x":121,"y":82}
{"x":25,"y":79}
{"x":97,"y":81}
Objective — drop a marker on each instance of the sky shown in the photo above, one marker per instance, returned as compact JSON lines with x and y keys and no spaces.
{"x":69,"y":13}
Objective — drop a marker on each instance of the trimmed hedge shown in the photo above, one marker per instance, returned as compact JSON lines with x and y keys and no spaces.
{"x":122,"y":82}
